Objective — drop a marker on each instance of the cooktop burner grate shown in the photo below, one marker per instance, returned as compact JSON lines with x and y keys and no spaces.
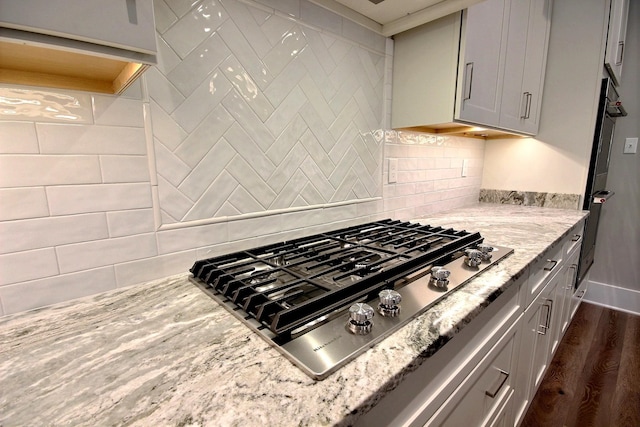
{"x":288,"y":285}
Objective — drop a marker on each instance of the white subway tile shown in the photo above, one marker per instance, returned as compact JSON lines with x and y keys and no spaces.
{"x":128,"y":223}
{"x":124,"y":168}
{"x":195,"y":27}
{"x":99,"y":253}
{"x":18,"y":138}
{"x":39,"y":293}
{"x":29,"y":265}
{"x":34,"y":170}
{"x":144,"y":270}
{"x":22,"y":203}
{"x":52,"y":231}
{"x":45,"y":105}
{"x":165,"y":129}
{"x":203,"y":99}
{"x":82,"y":139}
{"x":320,"y":17}
{"x":191,"y":237}
{"x":188,"y":74}
{"x":164,"y":16}
{"x":290,"y":7}
{"x":66,"y":200}
{"x":167,"y":58}
{"x":162,"y":91}
{"x":362,"y":35}
{"x":117,"y":111}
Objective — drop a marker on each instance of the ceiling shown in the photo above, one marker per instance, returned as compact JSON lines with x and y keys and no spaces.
{"x":396,"y":16}
{"x":387,"y":10}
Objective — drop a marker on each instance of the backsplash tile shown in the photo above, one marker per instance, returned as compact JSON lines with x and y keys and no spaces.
{"x":531,"y":198}
{"x":263,"y":123}
{"x":430,"y":173}
{"x":243,"y":134}
{"x":42,"y":105}
{"x":18,"y":138}
{"x":22,"y":266}
{"x":23,"y":203}
{"x":33,"y":170}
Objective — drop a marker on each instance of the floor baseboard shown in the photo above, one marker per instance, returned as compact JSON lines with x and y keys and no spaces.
{"x":613,"y":297}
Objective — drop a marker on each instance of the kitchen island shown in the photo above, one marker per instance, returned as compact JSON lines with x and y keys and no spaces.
{"x":164,"y":353}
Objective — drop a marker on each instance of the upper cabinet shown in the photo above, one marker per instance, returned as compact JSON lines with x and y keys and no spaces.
{"x":95,"y":45}
{"x":616,"y":38}
{"x":484,"y":67}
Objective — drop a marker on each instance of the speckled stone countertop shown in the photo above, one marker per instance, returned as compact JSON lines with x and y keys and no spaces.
{"x":164,"y":353}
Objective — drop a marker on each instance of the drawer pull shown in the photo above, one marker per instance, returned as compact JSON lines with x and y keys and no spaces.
{"x":547,"y":322}
{"x":552,"y":261}
{"x":504,"y":380}
{"x":576,"y":237}
{"x":574,"y":276}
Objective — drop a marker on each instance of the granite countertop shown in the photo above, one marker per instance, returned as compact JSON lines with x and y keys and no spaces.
{"x":164,"y":353}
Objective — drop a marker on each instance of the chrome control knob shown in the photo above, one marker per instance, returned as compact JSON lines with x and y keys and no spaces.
{"x":360,"y":315}
{"x":389,"y":300}
{"x":486,"y":251}
{"x":439,"y":277}
{"x":473,"y":257}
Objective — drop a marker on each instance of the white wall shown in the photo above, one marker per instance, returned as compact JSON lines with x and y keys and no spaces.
{"x":257,"y":125}
{"x":557,"y":159}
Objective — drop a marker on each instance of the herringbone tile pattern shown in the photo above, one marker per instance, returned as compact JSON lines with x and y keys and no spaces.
{"x":253,"y":112}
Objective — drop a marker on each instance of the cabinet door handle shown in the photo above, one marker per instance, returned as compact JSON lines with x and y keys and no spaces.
{"x":132,"y":12}
{"x":504,"y":375}
{"x":552,"y":261}
{"x":576,"y":238}
{"x":582,"y":292}
{"x":574,"y":276}
{"x":547,"y":320}
{"x":620,"y":52}
{"x":526,"y":105}
{"x":468,"y":74}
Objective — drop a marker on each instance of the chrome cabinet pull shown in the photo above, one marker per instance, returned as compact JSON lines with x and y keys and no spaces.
{"x":574,"y":276}
{"x":620,"y":52}
{"x":504,"y":380}
{"x":576,"y":238}
{"x":554,"y":262}
{"x":526,"y":105}
{"x":547,"y":322}
{"x":468,"y":74}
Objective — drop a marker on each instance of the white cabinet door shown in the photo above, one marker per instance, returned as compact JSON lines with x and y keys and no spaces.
{"x":125,"y":24}
{"x":525,"y":65}
{"x":571,"y":273}
{"x":616,"y":39}
{"x":482,"y":62}
{"x":534,"y":350}
{"x":483,"y":396}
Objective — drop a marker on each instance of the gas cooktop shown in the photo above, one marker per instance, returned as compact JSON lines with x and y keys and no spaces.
{"x":324,"y":299}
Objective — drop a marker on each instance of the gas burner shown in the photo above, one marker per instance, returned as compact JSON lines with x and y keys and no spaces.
{"x":312,"y":298}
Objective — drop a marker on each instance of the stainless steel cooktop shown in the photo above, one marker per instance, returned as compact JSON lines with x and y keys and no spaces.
{"x":324,"y":299}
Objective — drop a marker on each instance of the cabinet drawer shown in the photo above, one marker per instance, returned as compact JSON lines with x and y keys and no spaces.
{"x":484,"y":393}
{"x":542,"y":271}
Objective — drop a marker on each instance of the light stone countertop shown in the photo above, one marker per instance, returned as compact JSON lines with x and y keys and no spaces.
{"x":164,"y":353}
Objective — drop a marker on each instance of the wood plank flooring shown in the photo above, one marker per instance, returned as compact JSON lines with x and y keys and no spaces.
{"x":594,"y":377}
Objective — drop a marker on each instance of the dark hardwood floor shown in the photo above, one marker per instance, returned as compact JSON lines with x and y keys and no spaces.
{"x":594,"y":377}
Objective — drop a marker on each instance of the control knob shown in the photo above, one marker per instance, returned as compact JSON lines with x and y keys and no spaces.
{"x":389,"y":300}
{"x":473,"y":257}
{"x":486,"y":251}
{"x":439,"y":277}
{"x":360,"y":315}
